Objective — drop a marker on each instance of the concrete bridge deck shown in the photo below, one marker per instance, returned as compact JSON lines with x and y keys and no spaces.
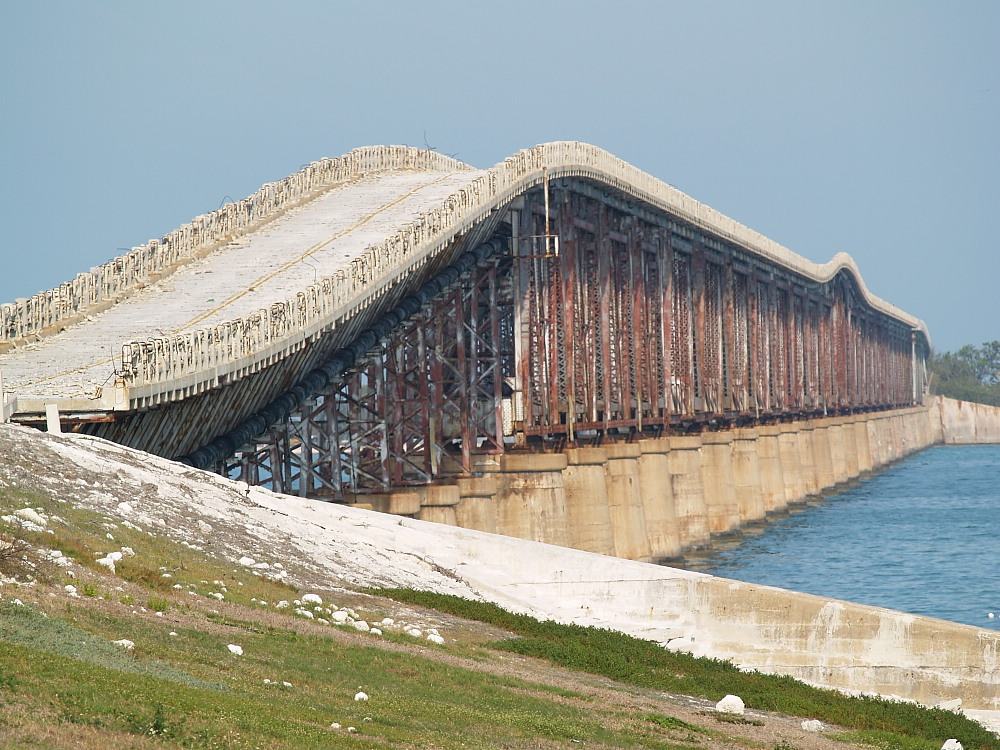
{"x":250,"y":273}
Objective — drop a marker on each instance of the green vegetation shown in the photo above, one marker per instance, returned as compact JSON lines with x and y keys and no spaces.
{"x":68,"y":678}
{"x":644,"y":664}
{"x":971,"y":374}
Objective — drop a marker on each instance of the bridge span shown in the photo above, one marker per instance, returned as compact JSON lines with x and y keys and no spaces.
{"x":386,"y":318}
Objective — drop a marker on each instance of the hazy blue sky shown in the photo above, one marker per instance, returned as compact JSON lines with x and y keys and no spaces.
{"x":870,"y":127}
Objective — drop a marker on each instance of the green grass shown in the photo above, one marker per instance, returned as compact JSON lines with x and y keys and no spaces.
{"x":65,"y":683}
{"x":644,"y":664}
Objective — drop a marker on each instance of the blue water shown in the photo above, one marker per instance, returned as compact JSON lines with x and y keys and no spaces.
{"x":920,"y":537}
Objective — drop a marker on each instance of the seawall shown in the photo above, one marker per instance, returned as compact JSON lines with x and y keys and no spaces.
{"x":658,"y":498}
{"x":967,"y":423}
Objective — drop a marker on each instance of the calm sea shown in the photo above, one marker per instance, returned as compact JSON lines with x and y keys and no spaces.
{"x":920,"y":537}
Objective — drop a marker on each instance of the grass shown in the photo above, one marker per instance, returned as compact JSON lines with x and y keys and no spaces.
{"x":64,"y":682}
{"x":633,"y":661}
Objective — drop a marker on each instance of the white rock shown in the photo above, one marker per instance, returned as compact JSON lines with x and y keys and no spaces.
{"x":27,"y":514}
{"x":238,"y":650}
{"x":247,"y":561}
{"x":312,"y":599}
{"x":172,"y":633}
{"x":951,"y":744}
{"x":69,"y":588}
{"x":352,"y":730}
{"x":952,"y":705}
{"x":203,"y":527}
{"x":387,"y":621}
{"x":124,"y":508}
{"x":218,"y":596}
{"x":126,"y":644}
{"x":375,"y":631}
{"x":267,"y":681}
{"x":731,"y":704}
{"x":812,"y":725}
{"x":339,"y":616}
{"x":335,"y":725}
{"x":414,"y":632}
{"x":286,"y":683}
{"x":361,"y":696}
{"x":282,"y":604}
{"x":435,"y":638}
{"x":361,"y":625}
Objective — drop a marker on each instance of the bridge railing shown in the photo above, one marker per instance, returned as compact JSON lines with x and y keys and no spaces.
{"x":48,"y":311}
{"x":158,"y":366}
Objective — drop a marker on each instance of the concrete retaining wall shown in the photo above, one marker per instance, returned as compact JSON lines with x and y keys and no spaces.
{"x":833,"y":643}
{"x":655,"y":499}
{"x":966,"y":422}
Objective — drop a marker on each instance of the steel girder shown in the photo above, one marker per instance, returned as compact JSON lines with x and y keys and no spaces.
{"x":599,"y":321}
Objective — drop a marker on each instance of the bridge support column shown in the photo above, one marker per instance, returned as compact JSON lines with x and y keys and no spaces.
{"x":875,"y":440}
{"x":849,"y":439}
{"x":625,"y":500}
{"x":684,"y":463}
{"x":822,"y":456}
{"x":838,"y":456}
{"x":720,"y":489}
{"x":747,"y":482}
{"x":861,"y":441}
{"x":476,"y":509}
{"x":438,"y":502}
{"x":658,"y":499}
{"x":587,"y":505}
{"x":399,"y":503}
{"x":795,"y":450}
{"x":531,"y":497}
{"x":772,"y":475}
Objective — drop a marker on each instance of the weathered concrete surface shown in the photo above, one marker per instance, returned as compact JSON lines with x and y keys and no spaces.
{"x":829,"y":642}
{"x":654,"y":499}
{"x":825,"y":641}
{"x":968,"y":422}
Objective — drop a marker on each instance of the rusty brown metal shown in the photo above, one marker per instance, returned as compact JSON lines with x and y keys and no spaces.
{"x":630,"y":324}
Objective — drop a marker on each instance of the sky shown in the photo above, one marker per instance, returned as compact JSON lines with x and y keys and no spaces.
{"x":867,"y":126}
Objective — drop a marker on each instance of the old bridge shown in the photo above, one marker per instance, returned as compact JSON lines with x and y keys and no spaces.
{"x":388,"y":318}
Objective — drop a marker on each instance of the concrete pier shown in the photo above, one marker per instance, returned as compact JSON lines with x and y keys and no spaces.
{"x":656,"y":499}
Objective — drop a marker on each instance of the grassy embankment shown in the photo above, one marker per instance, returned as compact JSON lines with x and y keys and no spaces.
{"x":65,"y":683}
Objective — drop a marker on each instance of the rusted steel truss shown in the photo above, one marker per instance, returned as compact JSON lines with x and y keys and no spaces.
{"x":601,"y":319}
